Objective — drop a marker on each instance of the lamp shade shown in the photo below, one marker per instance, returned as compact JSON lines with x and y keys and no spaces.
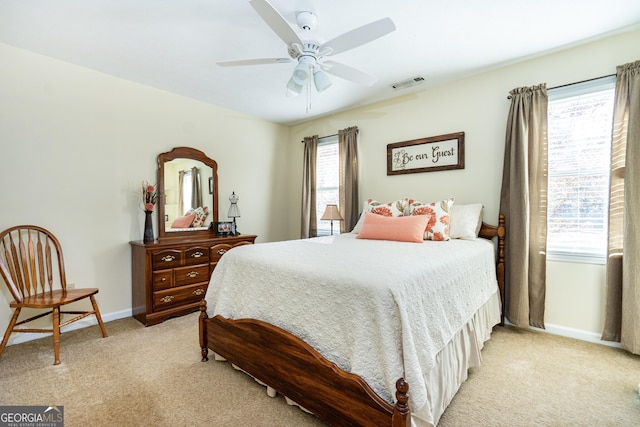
{"x":301,"y":73}
{"x":293,"y":88}
{"x":321,"y":79}
{"x":332,"y":213}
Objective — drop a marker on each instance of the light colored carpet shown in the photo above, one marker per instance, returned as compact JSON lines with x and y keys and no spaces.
{"x":153,"y":376}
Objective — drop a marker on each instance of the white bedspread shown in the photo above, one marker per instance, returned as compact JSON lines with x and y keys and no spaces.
{"x":380,"y":309}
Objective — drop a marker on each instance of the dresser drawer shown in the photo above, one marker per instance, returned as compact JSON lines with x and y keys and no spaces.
{"x":196,"y":255}
{"x":174,"y":297}
{"x":191,"y":274}
{"x":167,"y":259}
{"x":218,"y":250}
{"x":162,"y":279}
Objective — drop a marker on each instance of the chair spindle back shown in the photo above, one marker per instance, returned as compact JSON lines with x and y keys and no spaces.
{"x":27,"y":261}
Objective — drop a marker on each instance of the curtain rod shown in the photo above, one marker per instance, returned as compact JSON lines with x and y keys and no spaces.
{"x":583,"y":81}
{"x":575,"y":83}
{"x":328,"y":136}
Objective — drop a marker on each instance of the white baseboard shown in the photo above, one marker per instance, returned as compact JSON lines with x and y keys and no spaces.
{"x":573,"y":333}
{"x":17,"y":337}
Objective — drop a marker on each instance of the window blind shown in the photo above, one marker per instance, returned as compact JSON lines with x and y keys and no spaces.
{"x":579,"y":143}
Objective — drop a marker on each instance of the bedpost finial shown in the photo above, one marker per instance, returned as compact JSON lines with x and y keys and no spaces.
{"x":401,"y":412}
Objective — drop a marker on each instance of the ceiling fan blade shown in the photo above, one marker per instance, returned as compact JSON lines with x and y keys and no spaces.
{"x":348,"y":73}
{"x":360,"y":36}
{"x":257,"y":61}
{"x":276,"y":21}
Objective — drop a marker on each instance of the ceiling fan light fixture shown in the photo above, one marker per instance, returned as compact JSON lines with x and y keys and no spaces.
{"x":301,"y":73}
{"x":293,"y":88}
{"x":321,"y":79}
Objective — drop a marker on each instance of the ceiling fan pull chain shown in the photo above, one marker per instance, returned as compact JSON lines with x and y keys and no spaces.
{"x":308,"y":96}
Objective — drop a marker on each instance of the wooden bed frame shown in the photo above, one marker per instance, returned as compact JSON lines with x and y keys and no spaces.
{"x":294,"y":369}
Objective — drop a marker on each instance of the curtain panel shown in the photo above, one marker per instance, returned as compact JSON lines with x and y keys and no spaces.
{"x":181,"y":210}
{"x":196,"y":188}
{"x":309,"y":221}
{"x":622,"y":310}
{"x":523,"y":200}
{"x":348,"y":153}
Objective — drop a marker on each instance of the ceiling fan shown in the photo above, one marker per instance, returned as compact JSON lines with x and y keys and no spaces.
{"x":310,"y":52}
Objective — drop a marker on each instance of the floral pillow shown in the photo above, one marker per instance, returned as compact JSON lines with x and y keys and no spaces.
{"x":439,"y":213}
{"x":396,"y":208}
{"x":201,"y":216}
{"x":391,"y":209}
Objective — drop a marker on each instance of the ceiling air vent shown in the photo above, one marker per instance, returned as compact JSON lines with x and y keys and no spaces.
{"x":407,"y":83}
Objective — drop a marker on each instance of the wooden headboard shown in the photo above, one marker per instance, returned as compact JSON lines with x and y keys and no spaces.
{"x":490,"y":232}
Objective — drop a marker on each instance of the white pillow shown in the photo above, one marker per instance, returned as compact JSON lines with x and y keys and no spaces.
{"x":358,"y":227}
{"x":465,"y":221}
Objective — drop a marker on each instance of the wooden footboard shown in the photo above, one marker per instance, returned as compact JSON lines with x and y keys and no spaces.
{"x":294,"y":369}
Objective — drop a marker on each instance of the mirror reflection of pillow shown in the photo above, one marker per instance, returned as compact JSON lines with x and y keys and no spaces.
{"x":201,"y":216}
{"x":183,"y":221}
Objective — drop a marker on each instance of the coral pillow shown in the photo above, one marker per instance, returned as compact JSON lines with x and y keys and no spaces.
{"x":183,"y":221}
{"x":438,"y":213}
{"x":400,"y":229}
{"x":396,"y":208}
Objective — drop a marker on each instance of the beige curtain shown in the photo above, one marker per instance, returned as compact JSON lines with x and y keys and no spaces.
{"x":181,"y":210}
{"x":196,"y":188}
{"x":348,"y":152}
{"x":523,"y":200}
{"x":622,"y":310}
{"x":309,"y":223}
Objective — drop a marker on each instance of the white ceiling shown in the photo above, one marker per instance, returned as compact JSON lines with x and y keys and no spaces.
{"x":174,"y":44}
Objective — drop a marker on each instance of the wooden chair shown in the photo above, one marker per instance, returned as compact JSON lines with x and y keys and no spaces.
{"x":32,"y":266}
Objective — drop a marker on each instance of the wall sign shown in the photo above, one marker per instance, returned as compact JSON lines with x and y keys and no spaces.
{"x":431,"y":154}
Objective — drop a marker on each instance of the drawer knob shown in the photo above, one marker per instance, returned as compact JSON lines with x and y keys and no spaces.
{"x":197,"y":254}
{"x":192,"y":274}
{"x":198,"y":292}
{"x":168,"y":258}
{"x":164,"y":279}
{"x":222,"y":251}
{"x":168,"y":298}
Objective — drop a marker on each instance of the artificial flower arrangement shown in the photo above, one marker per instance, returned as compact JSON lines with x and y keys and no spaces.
{"x":149,"y":196}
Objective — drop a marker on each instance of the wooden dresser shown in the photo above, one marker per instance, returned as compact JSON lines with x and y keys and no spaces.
{"x":171,"y":278}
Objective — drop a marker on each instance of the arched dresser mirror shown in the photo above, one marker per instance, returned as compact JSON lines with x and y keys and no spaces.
{"x":187,"y":186}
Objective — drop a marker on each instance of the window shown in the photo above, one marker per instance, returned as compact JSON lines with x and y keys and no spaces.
{"x":187,"y":193}
{"x":327,"y":182}
{"x":580,"y":120}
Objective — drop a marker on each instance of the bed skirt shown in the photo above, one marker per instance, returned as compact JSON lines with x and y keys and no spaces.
{"x":452,"y":364}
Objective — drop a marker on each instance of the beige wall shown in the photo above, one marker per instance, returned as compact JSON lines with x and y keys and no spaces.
{"x":76,"y":144}
{"x":477,"y":106}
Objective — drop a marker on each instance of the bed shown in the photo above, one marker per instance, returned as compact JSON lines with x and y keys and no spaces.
{"x":388,"y":350}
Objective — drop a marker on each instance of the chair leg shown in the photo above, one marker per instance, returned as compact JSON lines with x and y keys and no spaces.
{"x":56,"y":335}
{"x":7,"y":333}
{"x":95,"y":308}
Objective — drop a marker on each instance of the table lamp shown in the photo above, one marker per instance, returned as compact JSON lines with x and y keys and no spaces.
{"x":331,"y":213}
